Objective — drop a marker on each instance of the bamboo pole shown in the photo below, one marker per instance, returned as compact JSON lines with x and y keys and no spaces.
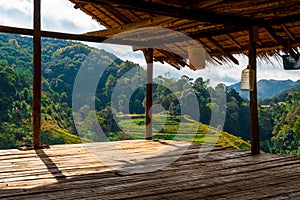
{"x":37,"y":64}
{"x":148,"y":53}
{"x":255,"y":144}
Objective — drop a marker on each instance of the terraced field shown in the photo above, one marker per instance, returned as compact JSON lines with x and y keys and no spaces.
{"x":176,"y":128}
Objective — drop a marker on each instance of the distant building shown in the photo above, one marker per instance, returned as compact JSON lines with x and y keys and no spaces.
{"x":265,"y":106}
{"x":281,"y":103}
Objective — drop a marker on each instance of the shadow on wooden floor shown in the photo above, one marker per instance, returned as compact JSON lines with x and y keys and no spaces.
{"x":70,"y":172}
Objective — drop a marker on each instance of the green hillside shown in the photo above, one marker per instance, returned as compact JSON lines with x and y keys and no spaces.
{"x":66,"y":122}
{"x":167,"y":127}
{"x":280,"y":123}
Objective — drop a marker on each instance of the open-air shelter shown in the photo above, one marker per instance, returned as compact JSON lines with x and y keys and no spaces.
{"x":258,"y":28}
{"x":222,"y":28}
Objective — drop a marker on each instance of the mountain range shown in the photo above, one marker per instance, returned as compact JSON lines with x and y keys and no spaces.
{"x":267,"y":89}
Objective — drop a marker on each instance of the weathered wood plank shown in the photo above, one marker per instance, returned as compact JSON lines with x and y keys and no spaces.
{"x":222,"y":173}
{"x":112,"y":194}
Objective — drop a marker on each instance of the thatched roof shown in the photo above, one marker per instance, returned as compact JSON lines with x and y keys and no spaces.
{"x":220,"y":26}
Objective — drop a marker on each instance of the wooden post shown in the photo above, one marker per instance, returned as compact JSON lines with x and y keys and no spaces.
{"x":148,"y":53}
{"x":255,"y":144}
{"x":37,"y":75}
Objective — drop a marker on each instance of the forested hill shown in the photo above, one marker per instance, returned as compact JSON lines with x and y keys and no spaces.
{"x":268,"y":88}
{"x":280,"y":121}
{"x":61,"y":62}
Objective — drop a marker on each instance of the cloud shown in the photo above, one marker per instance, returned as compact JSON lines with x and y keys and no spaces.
{"x":24,"y":6}
{"x":274,"y":70}
{"x":17,"y":13}
{"x":60,"y":15}
{"x":57,"y":15}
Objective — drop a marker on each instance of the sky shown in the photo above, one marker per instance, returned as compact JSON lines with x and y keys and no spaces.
{"x":60,"y":15}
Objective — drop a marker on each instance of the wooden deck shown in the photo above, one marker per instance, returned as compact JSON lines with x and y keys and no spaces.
{"x":146,"y":170}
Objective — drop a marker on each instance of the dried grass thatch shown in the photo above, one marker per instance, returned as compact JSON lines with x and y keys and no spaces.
{"x":221,"y":27}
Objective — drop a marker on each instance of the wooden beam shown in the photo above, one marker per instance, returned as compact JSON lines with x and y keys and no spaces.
{"x":37,"y":74}
{"x":226,"y":30}
{"x":50,"y":34}
{"x":177,"y":12}
{"x":106,"y":15}
{"x":234,"y":23}
{"x":208,"y":50}
{"x":203,"y":44}
{"x":117,"y":14}
{"x":108,"y":40}
{"x":282,"y":42}
{"x":87,"y":38}
{"x":148,"y":53}
{"x":134,"y":15}
{"x":182,"y":53}
{"x":172,"y":57}
{"x":215,"y":42}
{"x":255,"y":144}
{"x":67,"y":36}
{"x":95,"y":17}
{"x":207,"y":3}
{"x":143,"y":23}
{"x":279,"y":20}
{"x":156,"y":22}
{"x":288,"y":32}
{"x":233,"y":41}
{"x":272,"y":35}
{"x":98,"y":39}
{"x":14,"y":30}
{"x":104,"y":39}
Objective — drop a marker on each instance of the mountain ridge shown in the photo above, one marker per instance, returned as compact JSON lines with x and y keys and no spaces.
{"x":267,"y":89}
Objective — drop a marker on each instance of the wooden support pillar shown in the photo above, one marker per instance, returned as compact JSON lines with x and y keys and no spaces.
{"x":255,"y":144}
{"x":148,"y":53}
{"x":37,"y":75}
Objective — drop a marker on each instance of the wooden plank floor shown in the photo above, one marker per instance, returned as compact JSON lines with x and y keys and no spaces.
{"x":146,"y":170}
